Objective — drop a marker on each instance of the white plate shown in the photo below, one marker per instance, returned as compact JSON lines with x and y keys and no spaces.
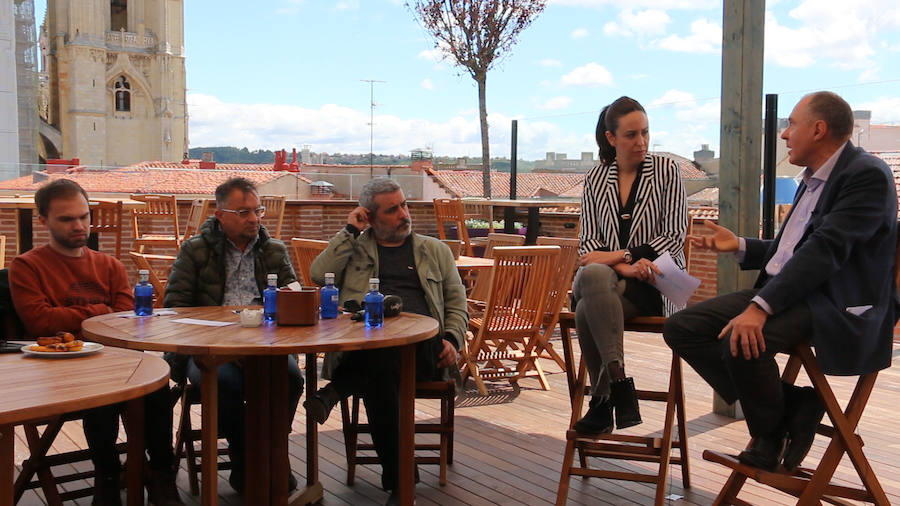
{"x":87,"y":349}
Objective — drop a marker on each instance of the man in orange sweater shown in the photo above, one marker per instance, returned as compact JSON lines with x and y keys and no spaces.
{"x":57,"y":286}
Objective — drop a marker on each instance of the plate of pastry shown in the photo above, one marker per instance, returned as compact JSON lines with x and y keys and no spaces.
{"x":62,"y":345}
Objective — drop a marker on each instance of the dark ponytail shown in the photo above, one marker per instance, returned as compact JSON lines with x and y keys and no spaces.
{"x":609,"y":121}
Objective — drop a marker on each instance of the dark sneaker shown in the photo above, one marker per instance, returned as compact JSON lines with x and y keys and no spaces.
{"x":319,"y":406}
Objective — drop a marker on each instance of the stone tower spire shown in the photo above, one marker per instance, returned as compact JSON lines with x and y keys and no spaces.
{"x":117,"y":79}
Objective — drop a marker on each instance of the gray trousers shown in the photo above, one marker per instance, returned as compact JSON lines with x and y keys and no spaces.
{"x":693,"y":335}
{"x":600,"y":313}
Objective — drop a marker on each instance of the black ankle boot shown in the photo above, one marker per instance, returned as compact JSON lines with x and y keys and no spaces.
{"x":598,"y":419}
{"x":624,"y":399}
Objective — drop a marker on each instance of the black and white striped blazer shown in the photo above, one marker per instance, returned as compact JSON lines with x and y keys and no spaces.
{"x":660,"y":215}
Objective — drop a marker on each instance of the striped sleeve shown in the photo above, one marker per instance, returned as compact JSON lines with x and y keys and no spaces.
{"x":671,"y":222}
{"x":591,"y":234}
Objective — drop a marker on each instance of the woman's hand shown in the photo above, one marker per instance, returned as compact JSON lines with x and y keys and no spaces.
{"x":722,"y":240}
{"x":642,"y":270}
{"x":601,"y":257}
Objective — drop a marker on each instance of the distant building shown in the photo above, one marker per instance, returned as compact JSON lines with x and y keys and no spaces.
{"x":116,"y":80}
{"x":560,"y":162}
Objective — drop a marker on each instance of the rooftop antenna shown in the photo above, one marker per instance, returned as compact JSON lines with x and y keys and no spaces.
{"x":372,"y":124}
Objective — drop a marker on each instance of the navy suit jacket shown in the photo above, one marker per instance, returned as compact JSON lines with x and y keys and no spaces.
{"x":844,"y":260}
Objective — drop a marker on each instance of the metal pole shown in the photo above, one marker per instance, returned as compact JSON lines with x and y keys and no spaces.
{"x":771,"y":129}
{"x":509,"y":213}
{"x":372,"y":124}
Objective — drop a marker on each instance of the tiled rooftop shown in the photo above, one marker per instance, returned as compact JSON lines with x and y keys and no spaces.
{"x":143,"y":179}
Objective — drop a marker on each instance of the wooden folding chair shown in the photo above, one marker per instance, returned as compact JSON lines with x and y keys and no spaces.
{"x":142,"y":261}
{"x":161,"y":209}
{"x":107,"y":217}
{"x":559,"y":292}
{"x":658,"y":449}
{"x":188,"y":438}
{"x":274,"y":205}
{"x":198,"y":214}
{"x":305,"y":251}
{"x":450,"y":212}
{"x":510,"y":328}
{"x":443,"y":390}
{"x":482,"y":283}
{"x":812,"y":486}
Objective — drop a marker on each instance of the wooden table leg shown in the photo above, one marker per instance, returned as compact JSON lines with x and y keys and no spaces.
{"x":406,"y":475}
{"x":313,"y":491}
{"x":209,"y":429}
{"x":7,"y":463}
{"x":136,"y":443}
{"x":534,"y":225}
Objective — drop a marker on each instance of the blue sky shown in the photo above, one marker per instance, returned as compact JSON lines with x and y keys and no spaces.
{"x":287,"y":73}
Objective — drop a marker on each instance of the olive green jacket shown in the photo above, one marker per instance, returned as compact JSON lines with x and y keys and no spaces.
{"x":354,"y":260}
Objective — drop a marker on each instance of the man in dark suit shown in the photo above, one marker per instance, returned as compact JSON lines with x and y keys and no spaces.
{"x":826,"y":277}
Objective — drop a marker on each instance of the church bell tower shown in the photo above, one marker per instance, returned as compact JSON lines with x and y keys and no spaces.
{"x":117,"y":79}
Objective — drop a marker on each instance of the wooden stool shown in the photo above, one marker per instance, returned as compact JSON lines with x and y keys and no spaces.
{"x":620,"y":446}
{"x":443,"y":390}
{"x":187,"y":436}
{"x":811,"y":485}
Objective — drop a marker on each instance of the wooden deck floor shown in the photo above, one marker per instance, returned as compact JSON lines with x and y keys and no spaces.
{"x":509,"y":445}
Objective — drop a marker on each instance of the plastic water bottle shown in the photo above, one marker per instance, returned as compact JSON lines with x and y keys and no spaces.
{"x":270,"y":297}
{"x":330,"y":297}
{"x":143,"y":294}
{"x":374,"y":305}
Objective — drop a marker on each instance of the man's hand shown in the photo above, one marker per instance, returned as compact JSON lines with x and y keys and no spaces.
{"x":359,"y":218}
{"x":746,"y":332}
{"x":722,"y":240}
{"x":448,"y":356}
{"x":642,"y":270}
{"x":600,"y":257}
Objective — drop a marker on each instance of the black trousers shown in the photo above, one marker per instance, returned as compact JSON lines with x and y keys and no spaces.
{"x":101,"y":427}
{"x":693,"y":335}
{"x":375,"y":376}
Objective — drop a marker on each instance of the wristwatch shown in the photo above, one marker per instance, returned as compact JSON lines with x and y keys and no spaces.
{"x":626,"y":257}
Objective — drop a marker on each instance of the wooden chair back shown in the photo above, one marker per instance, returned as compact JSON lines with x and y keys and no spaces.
{"x":559,"y":291}
{"x":514,"y":310}
{"x":274,"y":212}
{"x":450,"y":212}
{"x":305,"y":251}
{"x":107,"y":217}
{"x":2,"y":251}
{"x":160,"y":212}
{"x":480,"y":211}
{"x":142,"y":261}
{"x":198,"y":214}
{"x":483,"y":280}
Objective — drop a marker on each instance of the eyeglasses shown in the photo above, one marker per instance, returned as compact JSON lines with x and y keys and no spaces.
{"x":245,"y":213}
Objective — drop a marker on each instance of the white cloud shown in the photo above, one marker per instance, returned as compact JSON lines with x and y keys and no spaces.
{"x":649,"y":22}
{"x":591,"y":74}
{"x":705,"y":37}
{"x":651,"y":4}
{"x":427,"y":84}
{"x":884,"y":109}
{"x":674,"y":98}
{"x":579,"y":33}
{"x":347,"y":5}
{"x":433,"y":54}
{"x":555,"y":103}
{"x":549,"y":62}
{"x":837,"y":33}
{"x":707,"y":112}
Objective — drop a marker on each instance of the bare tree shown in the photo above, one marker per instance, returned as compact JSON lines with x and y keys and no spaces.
{"x":476,"y":34}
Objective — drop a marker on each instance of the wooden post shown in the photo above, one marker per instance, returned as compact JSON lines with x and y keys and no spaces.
{"x":743,"y":36}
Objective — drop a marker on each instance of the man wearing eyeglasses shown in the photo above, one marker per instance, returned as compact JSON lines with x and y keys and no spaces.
{"x":226,"y":264}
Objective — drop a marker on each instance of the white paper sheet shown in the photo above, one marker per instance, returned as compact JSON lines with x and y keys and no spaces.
{"x":207,"y":323}
{"x":677,"y":285}
{"x":156,"y":312}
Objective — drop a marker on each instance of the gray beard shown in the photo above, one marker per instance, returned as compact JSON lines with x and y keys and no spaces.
{"x":392,"y":235}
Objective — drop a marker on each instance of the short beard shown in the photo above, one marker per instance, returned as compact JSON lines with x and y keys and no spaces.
{"x":393,"y":235}
{"x":69,"y":244}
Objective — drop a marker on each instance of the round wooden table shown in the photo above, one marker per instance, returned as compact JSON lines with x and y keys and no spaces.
{"x":265,"y":384}
{"x":36,"y":388}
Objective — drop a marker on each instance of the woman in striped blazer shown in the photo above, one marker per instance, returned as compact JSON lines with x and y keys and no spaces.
{"x":633,"y":210}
